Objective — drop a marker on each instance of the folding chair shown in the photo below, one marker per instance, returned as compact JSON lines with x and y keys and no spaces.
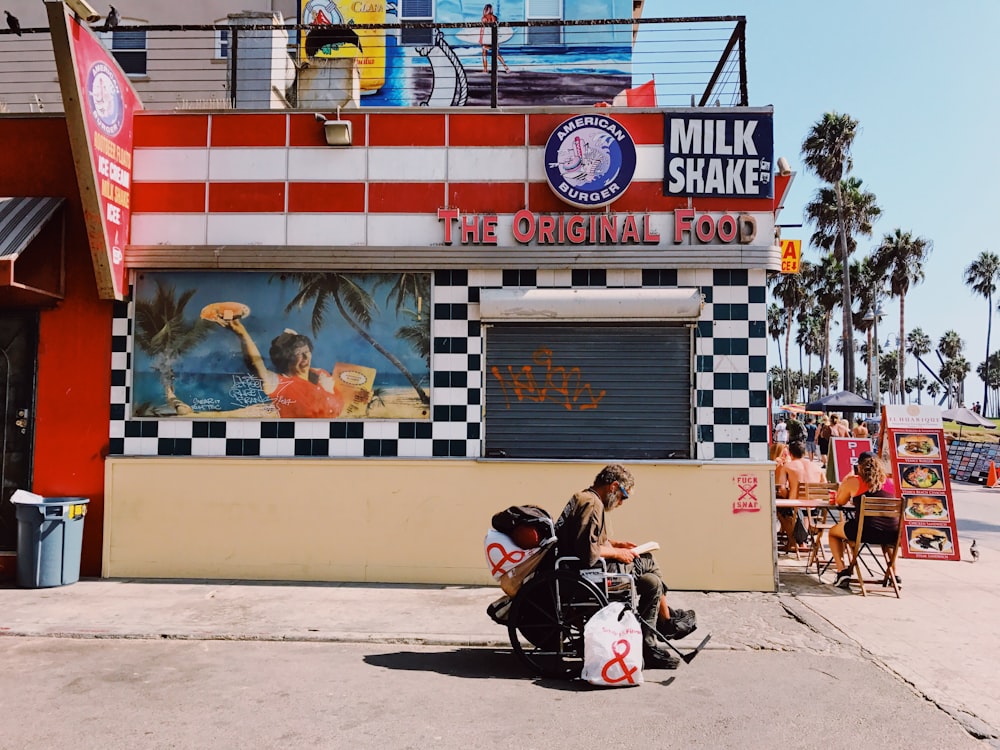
{"x":877,"y":507}
{"x":819,"y":521}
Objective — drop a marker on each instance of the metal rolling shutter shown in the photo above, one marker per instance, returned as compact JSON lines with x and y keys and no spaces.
{"x":588,"y":391}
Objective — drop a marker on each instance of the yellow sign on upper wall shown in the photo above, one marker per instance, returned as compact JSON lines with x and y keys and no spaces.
{"x":791,"y":256}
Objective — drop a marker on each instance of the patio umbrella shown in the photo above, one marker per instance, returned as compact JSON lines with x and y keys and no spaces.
{"x":842,"y":401}
{"x":968,"y":418}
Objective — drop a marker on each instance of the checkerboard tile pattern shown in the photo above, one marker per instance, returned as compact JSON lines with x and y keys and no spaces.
{"x":730,"y":378}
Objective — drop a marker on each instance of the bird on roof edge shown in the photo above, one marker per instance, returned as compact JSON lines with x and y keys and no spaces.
{"x":111,"y":20}
{"x":973,"y":551}
{"x":13,"y":23}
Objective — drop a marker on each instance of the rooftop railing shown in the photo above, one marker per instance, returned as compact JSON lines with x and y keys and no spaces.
{"x":247,"y":65}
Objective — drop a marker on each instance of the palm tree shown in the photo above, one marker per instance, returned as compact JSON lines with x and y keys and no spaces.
{"x":902,"y":257}
{"x":163,"y":333}
{"x":355,"y":305}
{"x":888,"y":368}
{"x":790,"y":289}
{"x":825,"y":279}
{"x":918,"y":344}
{"x":954,"y":372}
{"x":775,"y":327}
{"x":950,"y":347}
{"x":982,"y":275}
{"x":827,"y":151}
{"x":989,"y":373}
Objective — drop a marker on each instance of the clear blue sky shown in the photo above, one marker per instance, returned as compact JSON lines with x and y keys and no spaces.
{"x":919,"y":76}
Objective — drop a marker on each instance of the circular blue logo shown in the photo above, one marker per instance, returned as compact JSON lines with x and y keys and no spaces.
{"x":589,"y":161}
{"x":104,"y":97}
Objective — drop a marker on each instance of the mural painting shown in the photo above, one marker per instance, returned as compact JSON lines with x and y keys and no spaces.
{"x":451,"y":67}
{"x":282,"y":346}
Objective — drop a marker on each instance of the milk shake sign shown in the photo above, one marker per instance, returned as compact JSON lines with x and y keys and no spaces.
{"x":724,"y":155}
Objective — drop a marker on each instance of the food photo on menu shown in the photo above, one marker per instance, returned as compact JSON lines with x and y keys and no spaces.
{"x":918,"y":446}
{"x":935,"y":539}
{"x":922,"y":476}
{"x":919,"y":507}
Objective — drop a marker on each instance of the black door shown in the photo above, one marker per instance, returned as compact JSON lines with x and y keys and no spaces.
{"x":18,"y":352}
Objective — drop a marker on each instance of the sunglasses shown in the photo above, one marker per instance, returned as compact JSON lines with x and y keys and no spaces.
{"x":621,"y":488}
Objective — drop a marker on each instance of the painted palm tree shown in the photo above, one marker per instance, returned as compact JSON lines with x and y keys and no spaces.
{"x":982,"y":276}
{"x":827,"y":151}
{"x":355,"y":305}
{"x":902,"y":257}
{"x":790,"y":289}
{"x":164,"y":334}
{"x":918,"y":344}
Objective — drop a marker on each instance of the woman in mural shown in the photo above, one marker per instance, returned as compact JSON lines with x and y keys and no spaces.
{"x":489,"y":18}
{"x":297,"y":390}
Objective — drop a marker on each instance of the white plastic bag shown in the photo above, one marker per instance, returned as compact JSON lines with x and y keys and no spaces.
{"x":612,"y":648}
{"x":502,"y":554}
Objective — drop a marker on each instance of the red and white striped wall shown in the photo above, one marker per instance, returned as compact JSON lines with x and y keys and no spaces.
{"x":270,"y":179}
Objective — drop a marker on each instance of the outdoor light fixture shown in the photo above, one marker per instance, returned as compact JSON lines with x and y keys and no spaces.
{"x":84,"y":10}
{"x":783,"y":167}
{"x":337,"y":132}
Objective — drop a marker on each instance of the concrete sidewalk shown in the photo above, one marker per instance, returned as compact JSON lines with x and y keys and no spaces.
{"x":940,"y":636}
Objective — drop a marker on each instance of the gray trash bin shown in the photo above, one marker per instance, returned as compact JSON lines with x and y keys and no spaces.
{"x":49,"y":540}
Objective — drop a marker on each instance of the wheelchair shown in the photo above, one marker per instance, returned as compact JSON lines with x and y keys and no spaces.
{"x":546,"y":609}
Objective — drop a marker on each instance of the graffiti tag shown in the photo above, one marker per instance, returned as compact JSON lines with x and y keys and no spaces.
{"x":544,"y":381}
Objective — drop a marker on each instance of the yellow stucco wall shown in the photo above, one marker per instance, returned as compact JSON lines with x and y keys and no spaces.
{"x":411,"y":521}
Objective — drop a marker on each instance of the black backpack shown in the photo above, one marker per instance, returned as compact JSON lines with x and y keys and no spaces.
{"x":527,"y":525}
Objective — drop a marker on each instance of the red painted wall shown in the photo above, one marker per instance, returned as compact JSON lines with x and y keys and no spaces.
{"x":74,"y":354}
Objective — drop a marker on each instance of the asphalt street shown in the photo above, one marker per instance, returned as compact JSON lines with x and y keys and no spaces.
{"x":103,"y":694}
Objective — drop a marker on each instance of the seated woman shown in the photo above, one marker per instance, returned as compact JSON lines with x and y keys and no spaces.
{"x":789,"y":475}
{"x":868,"y":478}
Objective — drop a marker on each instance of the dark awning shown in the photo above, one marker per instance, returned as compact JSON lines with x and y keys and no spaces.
{"x":31,"y":252}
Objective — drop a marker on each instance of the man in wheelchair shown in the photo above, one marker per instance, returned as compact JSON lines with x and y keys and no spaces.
{"x":582,"y":533}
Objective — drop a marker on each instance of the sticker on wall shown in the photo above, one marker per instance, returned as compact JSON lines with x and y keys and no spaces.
{"x":589,"y":161}
{"x":747,"y":501}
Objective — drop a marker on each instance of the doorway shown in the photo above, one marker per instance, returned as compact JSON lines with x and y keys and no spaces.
{"x":18,"y":361}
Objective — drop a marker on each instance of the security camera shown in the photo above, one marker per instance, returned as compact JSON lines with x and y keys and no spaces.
{"x":84,"y":10}
{"x":319,"y":117}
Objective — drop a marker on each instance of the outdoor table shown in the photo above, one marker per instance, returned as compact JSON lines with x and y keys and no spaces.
{"x":800,"y":505}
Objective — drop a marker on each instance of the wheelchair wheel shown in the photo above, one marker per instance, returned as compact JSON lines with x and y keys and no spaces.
{"x":546,"y":621}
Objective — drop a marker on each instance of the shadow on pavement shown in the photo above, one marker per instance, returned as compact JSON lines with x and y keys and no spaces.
{"x":480,"y":663}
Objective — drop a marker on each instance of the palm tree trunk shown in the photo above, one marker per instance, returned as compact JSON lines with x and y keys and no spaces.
{"x":424,"y":398}
{"x":869,"y":369}
{"x":788,"y":354}
{"x":848,"y":330}
{"x":902,"y":351}
{"x":826,"y":352}
{"x":986,"y":380}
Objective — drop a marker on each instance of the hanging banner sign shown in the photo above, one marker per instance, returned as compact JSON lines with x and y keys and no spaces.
{"x":913,"y":438}
{"x":99,"y":102}
{"x":718,"y":155}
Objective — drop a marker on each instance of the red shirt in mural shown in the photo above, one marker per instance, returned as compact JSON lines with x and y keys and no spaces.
{"x":298,"y":398}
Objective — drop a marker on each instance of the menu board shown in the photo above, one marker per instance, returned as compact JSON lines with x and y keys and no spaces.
{"x":913,"y":438}
{"x":970,"y":461}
